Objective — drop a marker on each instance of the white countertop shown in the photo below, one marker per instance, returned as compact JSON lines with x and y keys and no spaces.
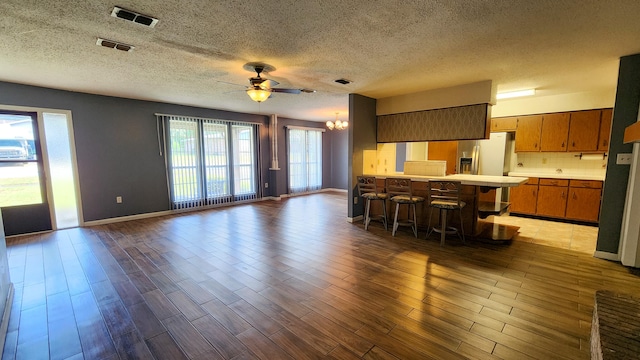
{"x":475,"y":180}
{"x":557,"y":176}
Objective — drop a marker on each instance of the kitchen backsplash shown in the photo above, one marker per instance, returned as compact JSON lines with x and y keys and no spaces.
{"x":568,"y":163}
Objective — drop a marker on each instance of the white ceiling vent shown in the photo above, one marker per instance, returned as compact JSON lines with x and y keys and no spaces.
{"x":134,"y":17}
{"x":115,"y":45}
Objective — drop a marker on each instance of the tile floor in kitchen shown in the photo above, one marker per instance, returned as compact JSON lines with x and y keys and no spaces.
{"x":575,"y":237}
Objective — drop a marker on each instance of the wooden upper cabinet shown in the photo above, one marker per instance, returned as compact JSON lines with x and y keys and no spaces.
{"x":528,"y":133}
{"x":504,"y":124}
{"x":605,"y":130}
{"x":555,"y":131}
{"x":584,"y":128}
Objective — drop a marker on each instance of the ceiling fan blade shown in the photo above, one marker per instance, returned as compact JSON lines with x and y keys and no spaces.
{"x":269,"y":83}
{"x":288,"y":91}
{"x":226,"y":82}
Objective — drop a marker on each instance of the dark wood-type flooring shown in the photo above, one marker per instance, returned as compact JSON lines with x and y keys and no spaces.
{"x":292,"y":279}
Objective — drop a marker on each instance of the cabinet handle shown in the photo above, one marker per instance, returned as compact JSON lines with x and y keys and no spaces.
{"x":574,"y":196}
{"x":573,"y":144}
{"x":535,"y":145}
{"x":562,"y":144}
{"x":562,"y":195}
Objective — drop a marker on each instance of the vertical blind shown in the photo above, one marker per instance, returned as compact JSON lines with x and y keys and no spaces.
{"x":210,"y":161}
{"x":305,"y":160}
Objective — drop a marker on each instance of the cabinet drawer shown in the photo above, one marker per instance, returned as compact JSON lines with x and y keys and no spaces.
{"x":532,"y":181}
{"x":593,"y":184}
{"x":554,"y":182}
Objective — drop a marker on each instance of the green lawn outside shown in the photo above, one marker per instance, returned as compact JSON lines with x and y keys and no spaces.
{"x":19,"y":191}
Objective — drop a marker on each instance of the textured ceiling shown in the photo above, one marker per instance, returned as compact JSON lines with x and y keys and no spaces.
{"x":195,"y":54}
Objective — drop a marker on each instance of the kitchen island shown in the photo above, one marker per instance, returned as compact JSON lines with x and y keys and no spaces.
{"x":475,"y":210}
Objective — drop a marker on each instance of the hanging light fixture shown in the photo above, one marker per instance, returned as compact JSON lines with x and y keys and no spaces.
{"x":338,"y":124}
{"x":258,"y":94}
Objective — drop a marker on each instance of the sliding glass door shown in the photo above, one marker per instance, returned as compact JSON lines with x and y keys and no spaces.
{"x":305,"y":160}
{"x":210,"y":161}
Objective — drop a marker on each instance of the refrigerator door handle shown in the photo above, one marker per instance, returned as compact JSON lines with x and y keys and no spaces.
{"x":475,"y":160}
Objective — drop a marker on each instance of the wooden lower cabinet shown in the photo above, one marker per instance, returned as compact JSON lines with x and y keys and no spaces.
{"x":552,"y":200}
{"x":583,"y":202}
{"x":523,"y":198}
{"x":558,"y":198}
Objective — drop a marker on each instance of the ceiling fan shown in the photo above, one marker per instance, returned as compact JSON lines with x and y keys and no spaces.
{"x":261,"y":88}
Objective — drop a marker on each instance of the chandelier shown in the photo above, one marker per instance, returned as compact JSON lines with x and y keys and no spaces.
{"x":337,"y":124}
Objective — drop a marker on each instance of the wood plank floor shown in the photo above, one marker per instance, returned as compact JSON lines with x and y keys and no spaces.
{"x":292,"y":279}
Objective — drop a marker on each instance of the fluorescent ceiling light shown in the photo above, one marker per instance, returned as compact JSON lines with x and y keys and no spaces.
{"x":513,"y":94}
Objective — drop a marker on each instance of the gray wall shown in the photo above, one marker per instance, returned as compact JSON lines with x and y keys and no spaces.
{"x":362,"y":136}
{"x":625,"y":113}
{"x":339,"y":160}
{"x":117,"y":147}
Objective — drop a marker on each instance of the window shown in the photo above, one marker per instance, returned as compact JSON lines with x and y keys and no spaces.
{"x":210,"y":161}
{"x":305,"y":160}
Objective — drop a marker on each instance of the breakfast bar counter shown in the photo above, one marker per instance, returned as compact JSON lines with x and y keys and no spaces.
{"x":473,"y":186}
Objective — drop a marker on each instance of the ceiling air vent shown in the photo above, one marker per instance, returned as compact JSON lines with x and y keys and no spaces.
{"x":114,"y":45}
{"x":134,"y":16}
{"x":343,"y":81}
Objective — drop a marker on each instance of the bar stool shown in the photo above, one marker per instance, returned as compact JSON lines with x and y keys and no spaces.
{"x":401,"y":193}
{"x":368,"y":189}
{"x":445,"y":196}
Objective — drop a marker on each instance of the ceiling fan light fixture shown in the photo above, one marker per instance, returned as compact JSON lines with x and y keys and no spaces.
{"x":258,"y":94}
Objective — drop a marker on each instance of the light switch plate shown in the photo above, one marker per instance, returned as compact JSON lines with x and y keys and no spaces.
{"x":624,"y":159}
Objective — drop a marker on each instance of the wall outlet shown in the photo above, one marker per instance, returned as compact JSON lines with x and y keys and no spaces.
{"x":355,"y":199}
{"x":624,"y":159}
{"x":266,"y":185}
{"x":544,"y":160}
{"x":118,"y":199}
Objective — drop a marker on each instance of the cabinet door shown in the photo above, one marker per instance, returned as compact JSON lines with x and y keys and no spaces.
{"x":583,"y":204}
{"x":523,"y":199}
{"x":605,"y":130}
{"x":552,"y":201}
{"x":528,"y":133}
{"x":584,"y":128}
{"x":555,"y":131}
{"x":504,"y":124}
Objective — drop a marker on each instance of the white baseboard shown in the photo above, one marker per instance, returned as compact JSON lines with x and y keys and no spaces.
{"x":606,"y":255}
{"x":355,"y":219}
{"x":131,"y":217}
{"x":5,"y":317}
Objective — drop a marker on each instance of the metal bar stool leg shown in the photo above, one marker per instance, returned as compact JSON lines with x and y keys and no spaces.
{"x":367,"y":217}
{"x":415,"y":221}
{"x":395,"y":220}
{"x":461,"y":226}
{"x":384,"y":212}
{"x":443,"y":220}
